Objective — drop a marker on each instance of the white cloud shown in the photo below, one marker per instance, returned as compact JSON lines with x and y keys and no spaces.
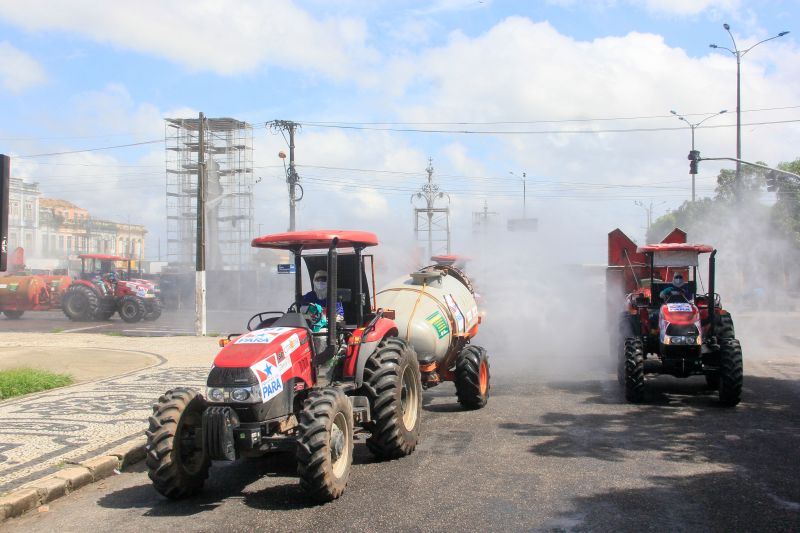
{"x":18,"y":70}
{"x":226,"y":37}
{"x":690,"y":7}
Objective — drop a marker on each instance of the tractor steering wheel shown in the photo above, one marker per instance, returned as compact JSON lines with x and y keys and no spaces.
{"x":257,"y":320}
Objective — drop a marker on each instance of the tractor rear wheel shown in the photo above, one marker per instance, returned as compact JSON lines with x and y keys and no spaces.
{"x":712,"y":381}
{"x":80,"y":303}
{"x":730,"y":372}
{"x":325,"y":444}
{"x":394,"y":388}
{"x":176,"y":462}
{"x":472,"y":377}
{"x":724,"y":327}
{"x":105,"y":310}
{"x":634,"y":370}
{"x":13,"y":315}
{"x":131,"y":309}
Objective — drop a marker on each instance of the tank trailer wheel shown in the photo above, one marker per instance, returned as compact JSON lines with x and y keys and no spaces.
{"x":472,"y":377}
{"x":634,"y":370}
{"x":176,"y":461}
{"x":325,"y":444}
{"x":394,"y":388}
{"x":131,"y":309}
{"x":730,"y":372}
{"x":13,"y":315}
{"x":80,"y":303}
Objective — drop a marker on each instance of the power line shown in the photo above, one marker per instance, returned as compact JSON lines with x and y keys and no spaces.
{"x":89,"y":149}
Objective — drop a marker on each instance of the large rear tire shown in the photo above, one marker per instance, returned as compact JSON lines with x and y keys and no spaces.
{"x":472,"y":377}
{"x":724,"y":327}
{"x":325,"y":444}
{"x":731,"y":374}
{"x":80,"y":302}
{"x":13,"y":315}
{"x":131,"y":309}
{"x":394,"y":388}
{"x":634,"y":370}
{"x":176,"y":462}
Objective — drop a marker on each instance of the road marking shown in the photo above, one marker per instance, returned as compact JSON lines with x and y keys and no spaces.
{"x":88,"y":327}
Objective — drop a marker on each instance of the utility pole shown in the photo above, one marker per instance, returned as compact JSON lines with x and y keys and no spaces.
{"x":649,"y":210}
{"x":200,"y":260}
{"x":480,"y":219}
{"x":291,"y":174}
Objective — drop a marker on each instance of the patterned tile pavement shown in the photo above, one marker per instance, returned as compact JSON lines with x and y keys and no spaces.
{"x":43,"y":432}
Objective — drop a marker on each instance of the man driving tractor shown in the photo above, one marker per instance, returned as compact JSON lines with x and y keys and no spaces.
{"x":319,"y":293}
{"x":678,"y":287}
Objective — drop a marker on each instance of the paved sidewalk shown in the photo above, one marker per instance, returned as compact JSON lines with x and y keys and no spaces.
{"x":41,"y":433}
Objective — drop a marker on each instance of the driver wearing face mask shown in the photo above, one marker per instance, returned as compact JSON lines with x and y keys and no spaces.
{"x":320,"y":293}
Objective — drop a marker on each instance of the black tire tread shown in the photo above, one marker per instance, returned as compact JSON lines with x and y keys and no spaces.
{"x":141,"y":310}
{"x":313,"y":454}
{"x":634,"y":370}
{"x":89,"y":294}
{"x":468,"y":390}
{"x":383,"y":374}
{"x":167,"y":475}
{"x":731,"y":372}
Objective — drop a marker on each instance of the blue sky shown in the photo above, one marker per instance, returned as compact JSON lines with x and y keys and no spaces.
{"x":93,"y":74}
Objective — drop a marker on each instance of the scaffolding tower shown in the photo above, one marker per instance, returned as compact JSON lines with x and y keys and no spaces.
{"x":228,"y":151}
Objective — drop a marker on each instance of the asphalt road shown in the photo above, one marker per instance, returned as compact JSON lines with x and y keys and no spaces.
{"x":170,"y":323}
{"x":546,"y":454}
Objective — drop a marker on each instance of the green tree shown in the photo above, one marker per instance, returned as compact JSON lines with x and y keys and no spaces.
{"x":786,"y":212}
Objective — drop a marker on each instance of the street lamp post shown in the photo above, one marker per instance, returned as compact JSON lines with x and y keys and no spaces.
{"x":739,"y":54}
{"x":524,"y":194}
{"x":693,"y":126}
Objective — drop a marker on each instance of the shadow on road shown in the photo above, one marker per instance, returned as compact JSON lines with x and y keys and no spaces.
{"x":230,"y":480}
{"x":755,"y":444}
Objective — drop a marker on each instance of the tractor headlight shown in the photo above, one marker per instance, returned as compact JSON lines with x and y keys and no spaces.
{"x":216,"y":394}
{"x":240,"y":395}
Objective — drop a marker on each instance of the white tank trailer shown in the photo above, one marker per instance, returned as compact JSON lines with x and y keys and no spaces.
{"x":436,"y":312}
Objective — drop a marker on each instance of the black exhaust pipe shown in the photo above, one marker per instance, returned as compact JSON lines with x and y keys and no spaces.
{"x":332,"y":291}
{"x":711,"y":295}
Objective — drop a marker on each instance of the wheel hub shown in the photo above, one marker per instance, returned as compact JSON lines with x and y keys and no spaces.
{"x":337,"y":443}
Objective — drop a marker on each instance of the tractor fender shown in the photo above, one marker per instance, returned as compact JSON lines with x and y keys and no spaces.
{"x":365,"y":346}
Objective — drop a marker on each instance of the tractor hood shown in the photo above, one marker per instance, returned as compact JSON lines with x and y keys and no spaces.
{"x":255,"y":346}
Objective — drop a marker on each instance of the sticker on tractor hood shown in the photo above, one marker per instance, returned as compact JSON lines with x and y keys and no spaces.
{"x":261,"y":336}
{"x":439,"y":323}
{"x":141,"y":292}
{"x":679,"y":308}
{"x":284,"y":357}
{"x":269,"y":379}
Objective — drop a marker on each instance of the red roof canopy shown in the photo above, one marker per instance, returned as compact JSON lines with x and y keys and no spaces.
{"x":675,"y":247}
{"x":315,"y":239}
{"x":103,"y":257}
{"x":445,"y":258}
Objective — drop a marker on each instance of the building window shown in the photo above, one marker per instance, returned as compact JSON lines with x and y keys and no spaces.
{"x":15,"y":209}
{"x":69,"y":244}
{"x":28,"y":210}
{"x":61,"y":242}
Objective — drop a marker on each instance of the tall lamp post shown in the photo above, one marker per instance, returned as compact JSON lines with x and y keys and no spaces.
{"x":693,"y":126}
{"x":739,"y":54}
{"x":524,"y":194}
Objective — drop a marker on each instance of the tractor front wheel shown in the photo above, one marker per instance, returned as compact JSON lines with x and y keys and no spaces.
{"x":730,"y":372}
{"x":154,"y":311}
{"x":176,"y":461}
{"x":634,"y":370}
{"x":325,"y":444}
{"x":394,"y":388}
{"x":80,"y":303}
{"x":13,"y":315}
{"x":472,"y":377}
{"x":131,"y":309}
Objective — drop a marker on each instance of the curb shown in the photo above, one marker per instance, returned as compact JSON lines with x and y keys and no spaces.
{"x":43,"y":491}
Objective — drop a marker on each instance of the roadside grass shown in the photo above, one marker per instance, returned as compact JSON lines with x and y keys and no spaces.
{"x":56,"y":330}
{"x":19,"y":381}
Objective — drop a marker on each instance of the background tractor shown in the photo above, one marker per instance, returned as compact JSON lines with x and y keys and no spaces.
{"x":682,"y":334}
{"x":21,"y":290}
{"x":438,"y":315}
{"x":289,"y":385}
{"x":103,"y":289}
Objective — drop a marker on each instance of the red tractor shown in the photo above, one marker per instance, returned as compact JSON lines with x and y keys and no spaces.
{"x":292,"y":384}
{"x":668,"y":328}
{"x":102,"y":290}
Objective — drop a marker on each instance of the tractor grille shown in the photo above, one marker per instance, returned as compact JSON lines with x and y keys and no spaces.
{"x":231,"y":377}
{"x":673,"y":330}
